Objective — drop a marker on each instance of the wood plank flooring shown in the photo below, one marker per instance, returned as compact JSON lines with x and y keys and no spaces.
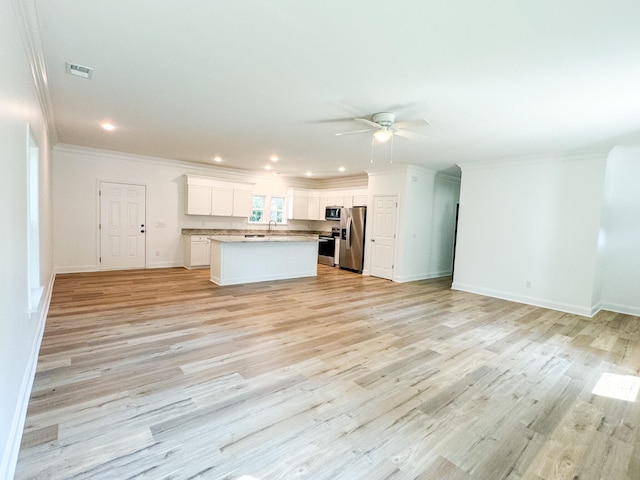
{"x":160,"y":374}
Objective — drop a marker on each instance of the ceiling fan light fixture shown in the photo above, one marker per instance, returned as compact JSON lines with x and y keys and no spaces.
{"x":382,"y":135}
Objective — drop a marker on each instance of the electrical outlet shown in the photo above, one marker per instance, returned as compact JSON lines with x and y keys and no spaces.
{"x":527,"y":284}
{"x":157,"y":253}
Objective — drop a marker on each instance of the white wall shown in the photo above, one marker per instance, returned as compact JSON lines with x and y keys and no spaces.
{"x":425,"y":221}
{"x":77,"y":173}
{"x":536,"y":221}
{"x":20,"y":333}
{"x":446,"y":194}
{"x":620,"y":238}
{"x":413,"y":249}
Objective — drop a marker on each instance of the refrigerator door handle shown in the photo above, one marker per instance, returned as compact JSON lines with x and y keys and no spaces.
{"x":348,"y":233}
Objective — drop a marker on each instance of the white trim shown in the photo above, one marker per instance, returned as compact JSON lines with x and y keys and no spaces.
{"x":448,"y":178}
{"x":12,"y":449}
{"x":171,"y":264}
{"x":421,"y":276}
{"x":77,"y":269}
{"x":620,"y":308}
{"x":228,"y":173}
{"x":99,"y":218}
{"x":534,"y":160}
{"x":27,"y":17}
{"x":536,"y":302}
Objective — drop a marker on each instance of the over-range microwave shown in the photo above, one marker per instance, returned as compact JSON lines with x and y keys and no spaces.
{"x":332,"y":213}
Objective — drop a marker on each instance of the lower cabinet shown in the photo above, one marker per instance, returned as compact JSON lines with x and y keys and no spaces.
{"x":197,"y":252}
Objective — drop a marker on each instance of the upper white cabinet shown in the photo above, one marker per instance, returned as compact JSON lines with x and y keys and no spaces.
{"x":298,"y":206}
{"x":221,"y":202}
{"x":198,"y":200}
{"x":360,"y":200}
{"x":310,"y":204}
{"x":313,"y":210}
{"x":242,"y":203}
{"x":211,"y":196}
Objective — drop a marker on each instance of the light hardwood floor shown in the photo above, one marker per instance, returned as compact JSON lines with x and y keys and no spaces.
{"x":161,"y":374}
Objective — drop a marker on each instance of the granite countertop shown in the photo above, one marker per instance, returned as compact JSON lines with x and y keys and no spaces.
{"x":249,"y":238}
{"x":237,"y":232}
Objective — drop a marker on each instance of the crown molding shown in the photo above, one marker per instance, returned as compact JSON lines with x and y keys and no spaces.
{"x":27,"y":18}
{"x":218,"y":171}
{"x":571,"y":156}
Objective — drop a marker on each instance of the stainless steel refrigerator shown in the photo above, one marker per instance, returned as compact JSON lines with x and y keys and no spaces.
{"x":352,"y":223}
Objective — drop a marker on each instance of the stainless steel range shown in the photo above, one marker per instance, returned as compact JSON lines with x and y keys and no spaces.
{"x":327,"y":247}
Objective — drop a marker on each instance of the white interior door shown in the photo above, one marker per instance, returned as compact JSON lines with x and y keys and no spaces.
{"x":122,"y":226}
{"x":383,"y":241}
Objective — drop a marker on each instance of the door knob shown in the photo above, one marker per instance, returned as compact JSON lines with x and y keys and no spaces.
{"x":373,"y":239}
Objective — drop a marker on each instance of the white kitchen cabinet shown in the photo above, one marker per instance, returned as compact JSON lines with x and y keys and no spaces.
{"x":347,"y":201}
{"x":221,"y":202}
{"x":210,"y":196}
{"x":334,"y":201}
{"x":298,"y":207}
{"x":313,"y":210}
{"x":324,"y":203}
{"x":360,"y":200}
{"x":197,"y":251}
{"x":242,"y":203}
{"x":198,"y":200}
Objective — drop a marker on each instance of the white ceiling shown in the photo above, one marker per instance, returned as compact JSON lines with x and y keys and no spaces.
{"x":247,"y":79}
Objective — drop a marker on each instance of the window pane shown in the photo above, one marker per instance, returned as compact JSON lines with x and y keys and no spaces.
{"x":256,"y":216}
{"x":258,"y":201}
{"x":277,"y":209}
{"x":257,"y":212}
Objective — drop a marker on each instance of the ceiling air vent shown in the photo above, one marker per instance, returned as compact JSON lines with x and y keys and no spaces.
{"x":78,"y":70}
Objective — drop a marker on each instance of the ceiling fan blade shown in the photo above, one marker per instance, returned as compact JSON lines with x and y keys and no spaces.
{"x":367,"y":121}
{"x":409,"y":135}
{"x":412,"y":123}
{"x":356,"y":131}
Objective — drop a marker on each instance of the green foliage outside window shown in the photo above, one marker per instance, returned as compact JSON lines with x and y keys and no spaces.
{"x":277,"y":209}
{"x":257,"y":212}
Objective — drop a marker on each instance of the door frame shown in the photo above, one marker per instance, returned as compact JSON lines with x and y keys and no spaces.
{"x":100,"y":181}
{"x":395,"y":233}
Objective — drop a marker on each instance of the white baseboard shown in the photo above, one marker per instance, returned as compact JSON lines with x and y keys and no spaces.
{"x":421,"y":276}
{"x":10,"y":455}
{"x":168,"y":265}
{"x":620,"y":308}
{"x":96,"y":268}
{"x":77,"y":269}
{"x":536,"y":302}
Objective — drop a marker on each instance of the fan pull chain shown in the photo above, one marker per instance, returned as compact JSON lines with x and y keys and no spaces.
{"x":391,"y":154}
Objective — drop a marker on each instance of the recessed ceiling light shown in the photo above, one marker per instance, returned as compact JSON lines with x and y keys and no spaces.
{"x":109,"y":127}
{"x":341,"y":169}
{"x":267,"y":167}
{"x":217,"y":159}
{"x":308,"y":174}
{"x":274,"y":158}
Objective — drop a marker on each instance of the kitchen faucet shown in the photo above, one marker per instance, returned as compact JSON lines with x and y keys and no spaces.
{"x":274,"y":224}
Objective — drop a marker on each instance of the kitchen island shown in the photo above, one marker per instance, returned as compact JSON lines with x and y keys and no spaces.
{"x":239,"y":259}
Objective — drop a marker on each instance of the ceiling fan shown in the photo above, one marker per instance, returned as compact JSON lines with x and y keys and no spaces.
{"x":384,"y":127}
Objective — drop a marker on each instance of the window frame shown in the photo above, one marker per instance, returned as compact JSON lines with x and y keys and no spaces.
{"x":284,"y":209}
{"x":266,"y":209}
{"x":253,"y":209}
